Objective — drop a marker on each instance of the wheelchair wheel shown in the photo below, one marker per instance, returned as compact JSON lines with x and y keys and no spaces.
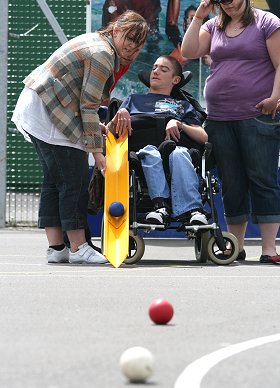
{"x":222,"y":258}
{"x":201,"y":246}
{"x":136,"y":248}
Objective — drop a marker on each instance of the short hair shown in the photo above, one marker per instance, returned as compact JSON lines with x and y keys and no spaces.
{"x":132,"y":24}
{"x":177,"y":68}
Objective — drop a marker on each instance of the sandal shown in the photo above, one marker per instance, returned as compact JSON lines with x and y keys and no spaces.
{"x":241,"y":256}
{"x":270,"y":259}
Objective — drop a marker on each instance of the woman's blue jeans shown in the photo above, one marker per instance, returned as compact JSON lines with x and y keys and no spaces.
{"x":184,"y":180}
{"x":246,"y":153}
{"x":64,"y":193}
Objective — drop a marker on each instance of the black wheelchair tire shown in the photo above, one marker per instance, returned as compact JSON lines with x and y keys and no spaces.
{"x":201,"y":246}
{"x":139,"y":246}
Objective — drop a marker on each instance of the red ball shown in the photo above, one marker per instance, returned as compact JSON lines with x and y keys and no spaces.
{"x":161,"y":311}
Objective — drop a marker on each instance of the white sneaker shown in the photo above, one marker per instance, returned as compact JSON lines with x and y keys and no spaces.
{"x":54,"y":256}
{"x":86,"y":255}
{"x":158,"y":217}
{"x":198,"y":218}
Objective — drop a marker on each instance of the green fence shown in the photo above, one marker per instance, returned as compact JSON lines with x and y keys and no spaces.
{"x":31,"y":40}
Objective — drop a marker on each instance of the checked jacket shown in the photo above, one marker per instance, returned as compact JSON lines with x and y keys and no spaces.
{"x":73,"y":83}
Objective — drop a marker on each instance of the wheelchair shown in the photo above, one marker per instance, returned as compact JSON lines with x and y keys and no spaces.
{"x":210,"y":242}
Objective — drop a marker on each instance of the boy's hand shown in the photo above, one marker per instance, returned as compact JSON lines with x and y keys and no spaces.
{"x":172,"y":130}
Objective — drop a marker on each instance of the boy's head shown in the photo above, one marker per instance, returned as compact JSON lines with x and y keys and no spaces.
{"x":165,"y":74}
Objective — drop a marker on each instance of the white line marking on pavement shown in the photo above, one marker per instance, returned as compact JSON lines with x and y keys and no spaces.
{"x":115,"y":273}
{"x":193,"y":374}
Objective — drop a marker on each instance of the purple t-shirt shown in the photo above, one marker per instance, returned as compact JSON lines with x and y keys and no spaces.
{"x":242,"y":73}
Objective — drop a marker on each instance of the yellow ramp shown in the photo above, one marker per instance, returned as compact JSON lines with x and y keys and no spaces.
{"x":116,"y":229}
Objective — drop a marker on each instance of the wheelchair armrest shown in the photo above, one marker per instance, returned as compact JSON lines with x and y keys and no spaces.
{"x":195,"y":156}
{"x":207,"y":149}
{"x":135,"y":163}
{"x":209,"y":156}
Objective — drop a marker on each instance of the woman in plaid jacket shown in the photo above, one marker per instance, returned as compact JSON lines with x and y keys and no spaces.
{"x":58,"y":111}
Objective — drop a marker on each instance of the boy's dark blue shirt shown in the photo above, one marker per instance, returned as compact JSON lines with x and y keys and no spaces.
{"x":162,"y":104}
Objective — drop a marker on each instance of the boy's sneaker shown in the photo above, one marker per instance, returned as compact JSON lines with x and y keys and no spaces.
{"x":86,"y":255}
{"x":54,"y":256}
{"x":158,"y":217}
{"x":198,"y":218}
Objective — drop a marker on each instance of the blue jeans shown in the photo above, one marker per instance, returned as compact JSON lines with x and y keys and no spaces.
{"x":64,"y":193}
{"x":246,"y":154}
{"x":184,"y":180}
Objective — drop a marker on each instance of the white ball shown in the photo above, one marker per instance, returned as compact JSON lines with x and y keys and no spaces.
{"x":137,"y":364}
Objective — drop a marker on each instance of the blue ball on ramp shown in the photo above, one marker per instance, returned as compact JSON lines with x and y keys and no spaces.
{"x":116,"y":209}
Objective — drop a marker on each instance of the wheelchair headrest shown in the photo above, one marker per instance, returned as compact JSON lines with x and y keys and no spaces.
{"x":144,"y":77}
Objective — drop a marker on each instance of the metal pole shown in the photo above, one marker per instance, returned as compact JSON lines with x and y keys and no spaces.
{"x":88,"y":16}
{"x":200,"y":80}
{"x":52,"y":20}
{"x":3,"y":107}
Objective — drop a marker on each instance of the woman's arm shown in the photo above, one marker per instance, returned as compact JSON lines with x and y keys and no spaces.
{"x":196,"y":41}
{"x":269,"y":105}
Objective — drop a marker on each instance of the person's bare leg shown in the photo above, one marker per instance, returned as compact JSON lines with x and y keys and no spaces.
{"x":57,"y":252}
{"x":268,"y":235}
{"x":76,"y":238}
{"x":171,"y":27}
{"x":238,"y":230}
{"x":173,"y":10}
{"x":54,"y":235}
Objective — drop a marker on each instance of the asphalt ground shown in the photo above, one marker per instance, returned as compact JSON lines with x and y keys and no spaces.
{"x":65,"y":326}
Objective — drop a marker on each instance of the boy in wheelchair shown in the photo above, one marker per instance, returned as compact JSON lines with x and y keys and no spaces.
{"x":164,"y":129}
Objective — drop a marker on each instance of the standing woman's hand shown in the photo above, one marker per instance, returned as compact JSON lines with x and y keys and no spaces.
{"x":104,"y":129}
{"x":100,"y":162}
{"x":203,"y":9}
{"x":268,"y":106}
{"x":196,"y":41}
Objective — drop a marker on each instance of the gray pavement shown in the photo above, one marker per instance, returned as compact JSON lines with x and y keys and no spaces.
{"x":65,"y":326}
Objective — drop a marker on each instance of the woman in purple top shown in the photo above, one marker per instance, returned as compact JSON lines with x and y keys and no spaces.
{"x":241,"y":93}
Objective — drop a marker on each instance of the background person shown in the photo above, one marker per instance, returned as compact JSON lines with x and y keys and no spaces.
{"x":149,"y":9}
{"x":198,"y":68}
{"x":189,"y":14}
{"x":58,"y":110}
{"x":244,"y":85}
{"x":184,"y":193}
